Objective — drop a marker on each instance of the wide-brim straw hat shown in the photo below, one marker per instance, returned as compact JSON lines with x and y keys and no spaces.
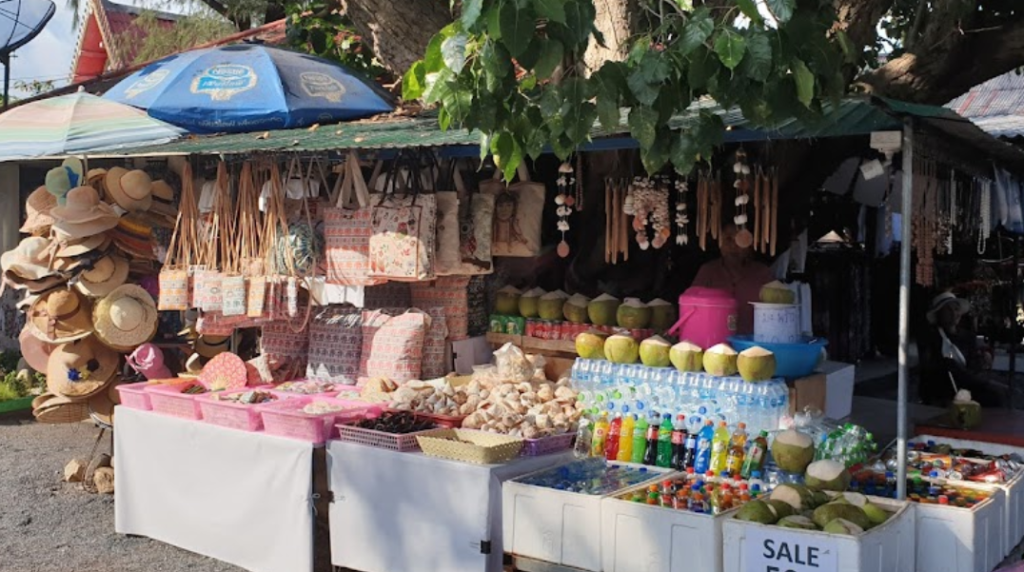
{"x":210,"y":346}
{"x":126,"y":318}
{"x":30,"y":260}
{"x":37,"y":209}
{"x":35,"y":351}
{"x":80,"y":370}
{"x":61,"y":316}
{"x":58,"y":409}
{"x":74,"y":247}
{"x":131,"y":190}
{"x":101,"y":405}
{"x":163,"y":200}
{"x":106,"y":274}
{"x":83,"y":214}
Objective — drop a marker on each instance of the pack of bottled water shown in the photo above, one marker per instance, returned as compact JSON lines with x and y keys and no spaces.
{"x":635,"y":388}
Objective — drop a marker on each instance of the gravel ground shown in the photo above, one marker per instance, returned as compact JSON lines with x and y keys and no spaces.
{"x":49,"y":526}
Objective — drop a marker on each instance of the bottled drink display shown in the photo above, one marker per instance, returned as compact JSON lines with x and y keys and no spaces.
{"x":594,"y":476}
{"x":698,"y":496}
{"x":719,"y":448}
{"x":754,"y":456}
{"x":640,"y":440}
{"x":664,"y":457}
{"x":611,"y":448}
{"x":626,"y":438}
{"x":679,"y":438}
{"x":702,"y":460}
{"x":690,"y":451}
{"x":600,"y":438}
{"x":737,"y":450}
{"x":651,"y":454}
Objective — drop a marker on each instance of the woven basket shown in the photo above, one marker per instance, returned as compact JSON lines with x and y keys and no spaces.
{"x":470,"y":446}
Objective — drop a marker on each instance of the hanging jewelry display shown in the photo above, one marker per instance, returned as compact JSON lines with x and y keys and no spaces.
{"x":682,"y":216}
{"x":985,"y":221}
{"x":741,"y":169}
{"x":565,"y":201}
{"x":649,"y":206}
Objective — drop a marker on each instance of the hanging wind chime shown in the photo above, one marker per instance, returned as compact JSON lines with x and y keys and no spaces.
{"x":565,"y":201}
{"x":744,"y":238}
{"x":682,"y":216}
{"x":647,"y":203}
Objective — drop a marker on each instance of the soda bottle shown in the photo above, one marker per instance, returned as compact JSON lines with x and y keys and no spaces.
{"x":737,"y":445}
{"x":755,"y":455}
{"x":679,"y":437}
{"x":600,"y":436}
{"x":696,"y":500}
{"x":744,"y":493}
{"x":639,"y":441}
{"x":702,"y":460}
{"x":611,"y":447}
{"x":664,"y":456}
{"x":719,"y":448}
{"x":690,"y":449}
{"x":653,"y":497}
{"x":755,"y":492}
{"x":651,"y":455}
{"x":626,"y":439}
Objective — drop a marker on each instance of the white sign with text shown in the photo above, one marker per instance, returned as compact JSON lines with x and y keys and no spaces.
{"x":775,"y":549}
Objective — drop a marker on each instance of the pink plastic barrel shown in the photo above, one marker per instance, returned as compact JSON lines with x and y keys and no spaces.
{"x":706,"y":316}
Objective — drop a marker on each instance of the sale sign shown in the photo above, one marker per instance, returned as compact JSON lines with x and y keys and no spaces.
{"x":775,"y":549}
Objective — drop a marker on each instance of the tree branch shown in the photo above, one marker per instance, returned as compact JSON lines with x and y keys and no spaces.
{"x":859,"y":19}
{"x":397,"y":31}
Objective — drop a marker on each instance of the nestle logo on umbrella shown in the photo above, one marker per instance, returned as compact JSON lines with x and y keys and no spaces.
{"x":147,"y":83}
{"x":317,"y":84}
{"x":222,"y":82}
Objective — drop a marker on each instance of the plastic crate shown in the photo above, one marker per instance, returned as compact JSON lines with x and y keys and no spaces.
{"x":955,"y":539}
{"x":287,"y":419}
{"x":400,"y":442}
{"x":169,"y":400}
{"x":134,"y":396}
{"x":547,"y":445}
{"x":241,"y":416}
{"x":283,"y":393}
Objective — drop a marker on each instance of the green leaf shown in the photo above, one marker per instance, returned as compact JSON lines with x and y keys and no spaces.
{"x":757,"y":64}
{"x":502,"y":145}
{"x":580,"y":121}
{"x":444,"y":119}
{"x":643,"y":124}
{"x":493,"y":17}
{"x":684,"y":152}
{"x":485,"y":145}
{"x":656,"y":155}
{"x":749,"y":9}
{"x":685,"y":5}
{"x":563,"y":147}
{"x":551,"y":10}
{"x":457,"y":102}
{"x":782,"y":9}
{"x":608,"y":112}
{"x":703,"y":66}
{"x":606,"y":90}
{"x":804,"y":82}
{"x":579,"y":18}
{"x":436,"y":86}
{"x":432,"y":59}
{"x":551,"y":54}
{"x":647,"y":77}
{"x":551,"y":102}
{"x":414,"y":82}
{"x":517,"y":28}
{"x":697,"y":31}
{"x":497,"y":65}
{"x":453,"y":52}
{"x":730,"y":48}
{"x":471,"y":10}
{"x":846,"y":44}
{"x":528,"y":83}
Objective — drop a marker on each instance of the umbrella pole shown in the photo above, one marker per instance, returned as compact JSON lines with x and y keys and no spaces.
{"x":904,"y":322}
{"x":5,"y":59}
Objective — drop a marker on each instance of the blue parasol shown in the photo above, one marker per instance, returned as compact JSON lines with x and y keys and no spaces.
{"x":249,"y":88}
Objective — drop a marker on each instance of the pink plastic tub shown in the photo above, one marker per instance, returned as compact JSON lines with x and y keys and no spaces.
{"x":276,"y":390}
{"x":169,"y":400}
{"x":706,"y":316}
{"x":241,"y":416}
{"x":134,"y":396}
{"x":286,"y":418}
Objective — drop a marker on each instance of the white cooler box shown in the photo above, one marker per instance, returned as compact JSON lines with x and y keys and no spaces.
{"x":954,"y":539}
{"x":556,"y":526}
{"x":888,"y":547}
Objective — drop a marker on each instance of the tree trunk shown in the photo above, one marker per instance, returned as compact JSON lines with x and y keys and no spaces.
{"x":397,"y":31}
{"x":617,"y":20}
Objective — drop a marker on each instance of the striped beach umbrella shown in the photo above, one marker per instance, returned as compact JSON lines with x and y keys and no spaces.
{"x":77,"y":124}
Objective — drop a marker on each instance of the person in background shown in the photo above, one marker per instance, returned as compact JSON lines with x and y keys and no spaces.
{"x":950,"y":354}
{"x":738,"y":273}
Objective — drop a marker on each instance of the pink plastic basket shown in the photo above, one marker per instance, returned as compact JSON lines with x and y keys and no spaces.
{"x":290,"y":394}
{"x":287,"y":419}
{"x":134,"y":396}
{"x":169,"y":400}
{"x":442,"y":421}
{"x":241,"y":416}
{"x":379,"y":439}
{"x":547,"y":445}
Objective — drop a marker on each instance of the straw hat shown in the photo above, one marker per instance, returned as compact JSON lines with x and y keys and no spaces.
{"x":60,"y":316}
{"x":101,"y":405}
{"x":58,"y":409}
{"x":209,"y":346}
{"x":131,"y":190}
{"x":126,"y":318}
{"x":83,"y":214}
{"x":81,"y":369}
{"x":135,"y":236}
{"x":35,"y":351}
{"x":163,"y":199}
{"x":945,"y":299}
{"x":106,"y":274}
{"x":95,"y":177}
{"x":71,"y":247}
{"x":37,"y":208}
{"x":29,"y":260}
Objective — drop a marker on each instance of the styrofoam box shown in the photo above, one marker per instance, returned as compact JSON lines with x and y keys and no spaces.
{"x":888,"y":547}
{"x":954,"y":539}
{"x":555,"y":526}
{"x":1014,"y":488}
{"x":638,"y":537}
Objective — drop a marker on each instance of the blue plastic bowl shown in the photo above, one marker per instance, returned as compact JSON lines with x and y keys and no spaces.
{"x":791,"y":360}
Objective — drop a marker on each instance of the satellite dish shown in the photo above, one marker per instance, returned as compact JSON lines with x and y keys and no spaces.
{"x":22,"y":20}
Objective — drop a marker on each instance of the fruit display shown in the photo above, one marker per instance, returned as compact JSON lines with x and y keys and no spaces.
{"x":603,"y":310}
{"x":777,"y":293}
{"x":827,"y":475}
{"x":720,"y":360}
{"x":793,"y":451}
{"x":550,"y":306}
{"x":687,"y":356}
{"x":575,"y":309}
{"x":633,"y":314}
{"x":593,"y":476}
{"x":797,"y":506}
{"x":590,"y":344}
{"x":654,"y":352}
{"x":663,"y":315}
{"x":756,"y":364}
{"x":529,"y":303}
{"x":621,"y":349}
{"x":507,"y":301}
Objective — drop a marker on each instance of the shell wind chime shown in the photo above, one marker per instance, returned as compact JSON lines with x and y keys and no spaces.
{"x":682,"y":216}
{"x":565,"y":200}
{"x":744,"y":238}
{"x":647,"y":203}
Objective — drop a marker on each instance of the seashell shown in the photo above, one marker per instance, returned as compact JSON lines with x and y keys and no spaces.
{"x":530,"y":432}
{"x":524,"y":387}
{"x":417,"y":384}
{"x":565,"y":393}
{"x":546,"y":392}
{"x":485,"y":393}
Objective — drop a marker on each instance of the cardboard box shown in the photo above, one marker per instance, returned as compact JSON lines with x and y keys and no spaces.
{"x":806,"y":392}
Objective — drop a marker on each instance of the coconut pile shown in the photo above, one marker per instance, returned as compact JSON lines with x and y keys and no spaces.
{"x":605,"y":310}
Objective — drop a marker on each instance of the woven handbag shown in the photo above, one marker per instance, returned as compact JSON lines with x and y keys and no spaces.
{"x":175,"y":283}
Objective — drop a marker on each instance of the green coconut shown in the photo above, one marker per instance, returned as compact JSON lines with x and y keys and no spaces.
{"x":827,"y":475}
{"x":590,"y":345}
{"x":507,"y":301}
{"x":757,"y":511}
{"x":782,"y":508}
{"x":720,"y":360}
{"x":797,"y":496}
{"x":876,"y":514}
{"x":655,"y":352}
{"x":964,"y":412}
{"x":820,"y":498}
{"x":602,"y":310}
{"x":829,"y":512}
{"x":575,"y":309}
{"x":793,"y":450}
{"x":633,"y":314}
{"x":621,"y":349}
{"x":551,"y":305}
{"x":797,"y":521}
{"x":529,"y":302}
{"x":663,"y":315}
{"x":687,"y":356}
{"x":856,"y":499}
{"x":756,"y":364}
{"x":842,"y":526}
{"x":777,"y":293}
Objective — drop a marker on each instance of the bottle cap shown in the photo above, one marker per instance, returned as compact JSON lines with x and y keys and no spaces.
{"x":743,"y":486}
{"x":755,"y":475}
{"x":764,"y":433}
{"x":689,"y":470}
{"x":722,"y":424}
{"x":943,"y":499}
{"x":756,"y":488}
{"x":741,"y":425}
{"x":680,"y":417}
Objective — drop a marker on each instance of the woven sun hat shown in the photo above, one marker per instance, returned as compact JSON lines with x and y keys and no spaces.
{"x":134,"y":235}
{"x":101,"y":405}
{"x":37,"y":209}
{"x":106,"y":274}
{"x":209,"y":346}
{"x":30,"y":260}
{"x":83,"y":214}
{"x":35,"y":351}
{"x":73,"y":247}
{"x":60,"y":316}
{"x":80,"y":370}
{"x":59,"y":409}
{"x":126,"y":318}
{"x":163,"y":199}
{"x":95,"y":177}
{"x":131,"y":190}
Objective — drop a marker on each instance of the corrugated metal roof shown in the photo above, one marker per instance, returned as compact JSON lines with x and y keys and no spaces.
{"x":996,"y":106}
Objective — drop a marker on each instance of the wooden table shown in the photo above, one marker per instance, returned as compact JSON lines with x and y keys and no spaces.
{"x":997,"y":426}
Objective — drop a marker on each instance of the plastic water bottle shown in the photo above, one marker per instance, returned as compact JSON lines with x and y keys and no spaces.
{"x":581,"y":449}
{"x":755,"y":481}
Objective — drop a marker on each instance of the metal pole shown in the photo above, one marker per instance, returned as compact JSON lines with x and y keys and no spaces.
{"x":1013,"y":328}
{"x":6,"y":61}
{"x":906,"y":223}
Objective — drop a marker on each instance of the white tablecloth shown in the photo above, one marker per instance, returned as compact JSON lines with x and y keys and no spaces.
{"x":406,"y":512}
{"x":243,"y":498}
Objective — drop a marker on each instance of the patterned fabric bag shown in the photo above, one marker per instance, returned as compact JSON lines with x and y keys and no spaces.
{"x":468,"y":253}
{"x":175,"y":282}
{"x":450,"y":294}
{"x":390,"y":295}
{"x":404,"y":226}
{"x":392,"y":345}
{"x":435,"y":345}
{"x":335,"y":345}
{"x":518,"y":215}
{"x":347,"y":229}
{"x":286,"y":349}
{"x":479,"y":321}
{"x":285,"y":298}
{"x":209,"y":294}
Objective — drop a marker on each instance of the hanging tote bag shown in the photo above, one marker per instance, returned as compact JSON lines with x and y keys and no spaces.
{"x":404,"y":228}
{"x":233,"y":288}
{"x":449,"y":259}
{"x":208,"y":282}
{"x":347,"y":229}
{"x":285,"y":296}
{"x":476,"y":219}
{"x":253,"y":249}
{"x":175,"y":282}
{"x":518,"y":214}
{"x":335,"y":344}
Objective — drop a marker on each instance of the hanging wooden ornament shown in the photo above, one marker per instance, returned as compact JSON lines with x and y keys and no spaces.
{"x":564,"y":201}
